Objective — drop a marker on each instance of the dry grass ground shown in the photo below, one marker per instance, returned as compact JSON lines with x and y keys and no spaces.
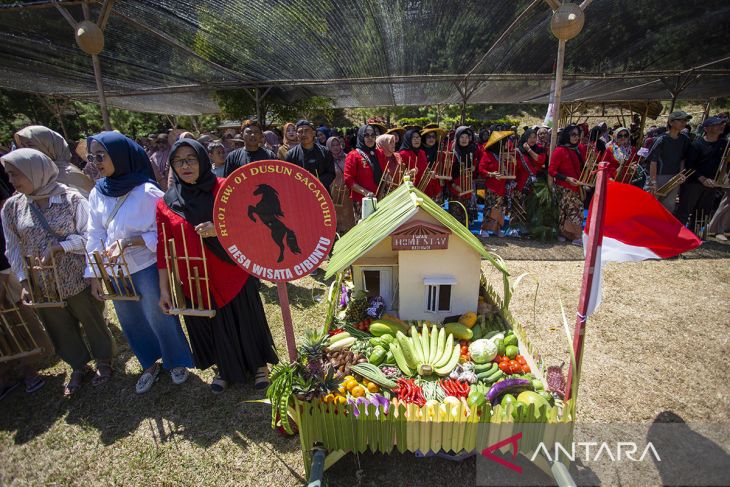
{"x":661,"y":326}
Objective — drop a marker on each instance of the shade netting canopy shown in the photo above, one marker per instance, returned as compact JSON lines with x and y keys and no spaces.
{"x":169,"y":56}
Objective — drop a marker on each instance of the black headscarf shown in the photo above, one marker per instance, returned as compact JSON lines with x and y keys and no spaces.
{"x":194,"y":202}
{"x":372,"y":158}
{"x":407,"y":143}
{"x":564,"y":137}
{"x":564,"y":141}
{"x":462,"y":153}
{"x":432,"y":152}
{"x":535,"y":147}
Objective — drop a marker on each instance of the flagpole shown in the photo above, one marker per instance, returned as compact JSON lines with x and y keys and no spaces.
{"x":595,"y":236}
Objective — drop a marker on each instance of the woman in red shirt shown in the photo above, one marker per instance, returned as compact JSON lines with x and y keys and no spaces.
{"x":495,"y":190}
{"x":363,"y":168}
{"x":413,"y":156}
{"x":619,"y":151}
{"x":566,"y":164}
{"x":237,"y":340}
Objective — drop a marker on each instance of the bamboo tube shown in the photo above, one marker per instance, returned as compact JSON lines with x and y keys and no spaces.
{"x":198,"y":291}
{"x":205,"y":272}
{"x":55,"y":273}
{"x":104,"y":276}
{"x":128,"y":275}
{"x":187,"y":263}
{"x":675,"y":181}
{"x":178,"y":282}
{"x":45,"y":288}
{"x":10,"y":331}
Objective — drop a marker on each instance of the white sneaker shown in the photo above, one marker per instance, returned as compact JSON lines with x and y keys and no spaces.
{"x":147,"y":380}
{"x":179,"y":375}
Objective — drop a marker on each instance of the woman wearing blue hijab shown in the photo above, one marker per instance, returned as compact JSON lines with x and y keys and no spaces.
{"x":122,"y":219}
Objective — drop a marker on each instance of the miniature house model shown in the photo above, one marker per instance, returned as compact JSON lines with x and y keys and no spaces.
{"x":416,"y":256}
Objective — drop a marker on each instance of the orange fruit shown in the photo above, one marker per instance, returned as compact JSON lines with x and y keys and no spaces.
{"x":357,"y":391}
{"x":373,"y":387}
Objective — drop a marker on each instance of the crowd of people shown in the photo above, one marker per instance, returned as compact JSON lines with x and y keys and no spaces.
{"x":55,"y":213}
{"x":128,"y":193}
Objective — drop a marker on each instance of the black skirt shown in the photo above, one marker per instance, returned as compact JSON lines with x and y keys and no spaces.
{"x":237,"y":340}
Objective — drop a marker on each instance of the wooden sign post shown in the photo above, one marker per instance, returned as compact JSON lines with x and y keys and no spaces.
{"x":276,"y":221}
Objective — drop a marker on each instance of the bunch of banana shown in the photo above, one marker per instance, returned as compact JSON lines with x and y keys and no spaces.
{"x":425,"y":353}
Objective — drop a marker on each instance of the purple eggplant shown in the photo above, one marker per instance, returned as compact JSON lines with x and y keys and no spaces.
{"x":507,"y":386}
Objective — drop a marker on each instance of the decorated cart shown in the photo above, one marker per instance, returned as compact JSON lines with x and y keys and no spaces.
{"x":418,"y":352}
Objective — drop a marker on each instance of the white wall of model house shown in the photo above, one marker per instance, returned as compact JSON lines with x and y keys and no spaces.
{"x":459,"y":265}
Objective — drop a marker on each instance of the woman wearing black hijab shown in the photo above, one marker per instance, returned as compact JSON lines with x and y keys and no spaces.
{"x":237,"y":340}
{"x":363,"y":168}
{"x":566,"y":164}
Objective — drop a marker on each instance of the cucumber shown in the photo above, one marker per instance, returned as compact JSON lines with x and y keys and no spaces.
{"x":494,"y":377}
{"x":339,"y":336}
{"x":479,"y":368}
{"x":400,"y":360}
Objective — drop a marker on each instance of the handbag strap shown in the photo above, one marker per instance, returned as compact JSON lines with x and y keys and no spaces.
{"x":44,"y":223}
{"x":115,"y":210}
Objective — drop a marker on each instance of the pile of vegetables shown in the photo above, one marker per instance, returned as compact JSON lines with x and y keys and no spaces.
{"x":471,"y":360}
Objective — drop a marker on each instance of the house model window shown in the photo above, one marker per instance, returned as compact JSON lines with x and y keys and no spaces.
{"x":438,"y":293}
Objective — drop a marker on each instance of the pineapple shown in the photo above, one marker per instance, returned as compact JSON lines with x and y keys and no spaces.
{"x":312,"y":346}
{"x":357,"y":308}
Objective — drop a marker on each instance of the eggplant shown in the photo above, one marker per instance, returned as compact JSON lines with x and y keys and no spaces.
{"x":511,"y":386}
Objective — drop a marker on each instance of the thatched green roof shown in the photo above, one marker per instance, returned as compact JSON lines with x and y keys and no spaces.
{"x":392,"y":212}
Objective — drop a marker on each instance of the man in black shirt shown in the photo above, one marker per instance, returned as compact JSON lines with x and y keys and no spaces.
{"x":697,"y":194}
{"x":313,"y":157}
{"x":251,"y":150}
{"x":667,"y":157}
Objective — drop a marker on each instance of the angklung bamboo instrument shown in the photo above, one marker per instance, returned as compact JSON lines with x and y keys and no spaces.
{"x":16,"y":340}
{"x":117,"y":284}
{"x":181,"y":305}
{"x":43,"y":282}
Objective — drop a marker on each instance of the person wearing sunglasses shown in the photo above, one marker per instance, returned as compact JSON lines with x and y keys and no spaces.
{"x":566,"y":164}
{"x":619,"y":151}
{"x":364,"y":168}
{"x":122,"y":219}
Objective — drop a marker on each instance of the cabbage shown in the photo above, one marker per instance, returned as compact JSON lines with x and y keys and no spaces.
{"x":482,"y":350}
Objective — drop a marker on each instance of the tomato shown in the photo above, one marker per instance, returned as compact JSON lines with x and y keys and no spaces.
{"x":497,"y":358}
{"x":504,"y":367}
{"x":504,"y":359}
{"x":526,"y":369}
{"x":521,"y":360}
{"x":514,"y":367}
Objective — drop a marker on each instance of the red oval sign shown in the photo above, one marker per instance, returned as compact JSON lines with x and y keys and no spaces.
{"x":275,"y":219}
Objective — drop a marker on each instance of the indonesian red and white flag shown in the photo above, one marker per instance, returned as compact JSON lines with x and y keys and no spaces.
{"x":635,"y":227}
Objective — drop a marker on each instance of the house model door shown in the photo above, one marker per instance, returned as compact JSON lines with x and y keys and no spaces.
{"x":378,"y":281}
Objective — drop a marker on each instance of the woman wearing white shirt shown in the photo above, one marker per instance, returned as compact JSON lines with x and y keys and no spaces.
{"x":122,"y":219}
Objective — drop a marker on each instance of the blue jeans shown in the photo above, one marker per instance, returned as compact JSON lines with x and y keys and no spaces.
{"x":151,"y":333}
